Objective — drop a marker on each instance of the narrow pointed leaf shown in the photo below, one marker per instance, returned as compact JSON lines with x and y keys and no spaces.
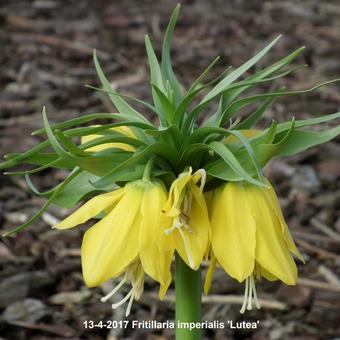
{"x":167,"y":70}
{"x":121,"y":105}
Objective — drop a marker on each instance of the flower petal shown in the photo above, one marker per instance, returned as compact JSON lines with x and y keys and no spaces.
{"x":210,"y":273}
{"x":125,"y":130}
{"x":198,"y":235}
{"x":156,"y":263}
{"x":110,"y":245}
{"x":266,"y":274}
{"x":272,"y":252}
{"x":273,"y":200}
{"x":233,"y":231}
{"x":91,"y":208}
{"x":176,"y":193}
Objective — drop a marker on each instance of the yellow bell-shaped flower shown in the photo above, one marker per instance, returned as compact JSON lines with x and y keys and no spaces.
{"x":124,"y":130}
{"x":190,"y":229}
{"x":126,"y":239}
{"x":249,"y":236}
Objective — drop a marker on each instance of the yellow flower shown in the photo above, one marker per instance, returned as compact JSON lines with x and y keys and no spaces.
{"x":189,"y":233}
{"x":250,"y":238}
{"x":125,"y":130}
{"x":246,"y":133}
{"x":126,"y":238}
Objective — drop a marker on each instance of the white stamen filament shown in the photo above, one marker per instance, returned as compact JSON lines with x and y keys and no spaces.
{"x":245,"y":297}
{"x":179,"y":226}
{"x":186,"y":204}
{"x":122,"y":301}
{"x":174,"y":226}
{"x":114,"y":290}
{"x":203,"y":177}
{"x":257,"y":304}
{"x":187,"y":248}
{"x":135,"y":275}
{"x":128,"y":309}
{"x":250,"y":295}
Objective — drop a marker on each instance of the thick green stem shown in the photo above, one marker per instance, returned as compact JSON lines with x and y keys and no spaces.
{"x":188,"y":300}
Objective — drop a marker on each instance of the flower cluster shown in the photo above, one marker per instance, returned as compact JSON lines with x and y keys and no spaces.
{"x":185,"y":177}
{"x":241,"y":228}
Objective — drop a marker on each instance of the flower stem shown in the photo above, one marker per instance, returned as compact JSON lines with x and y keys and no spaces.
{"x":147,"y":169}
{"x":188,"y":300}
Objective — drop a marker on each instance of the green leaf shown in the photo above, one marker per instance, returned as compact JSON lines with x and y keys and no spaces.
{"x":78,"y":189}
{"x":308,"y":122}
{"x":215,"y":120}
{"x":224,"y":83}
{"x":45,"y":206}
{"x":248,"y":147}
{"x":239,"y":104}
{"x":250,"y":121}
{"x":167,"y":71}
{"x":302,"y":140}
{"x":42,"y":159}
{"x":96,"y":164}
{"x":140,"y":118}
{"x":14,"y":161}
{"x":229,"y":158}
{"x":121,"y":105}
{"x":156,"y":74}
{"x":263,"y":153}
{"x":192,"y":92}
{"x":201,"y":77}
{"x":127,"y":120}
{"x":170,"y":135}
{"x":166,"y":106}
{"x":36,"y":191}
{"x":263,"y":74}
{"x":53,"y":164}
{"x":160,"y":149}
{"x":156,"y":77}
{"x":69,"y":145}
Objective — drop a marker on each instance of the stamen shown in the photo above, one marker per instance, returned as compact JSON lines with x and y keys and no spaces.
{"x":250,"y":294}
{"x":257,"y":304}
{"x":135,"y":275}
{"x":128,"y":309}
{"x":122,"y":301}
{"x":186,"y":247}
{"x":245,"y":297}
{"x":203,"y":177}
{"x":186,"y":205}
{"x":174,"y":226}
{"x":179,"y":226}
{"x":114,"y":290}
{"x":187,"y":202}
{"x":232,"y":124}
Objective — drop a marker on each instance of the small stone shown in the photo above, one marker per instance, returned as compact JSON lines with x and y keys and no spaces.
{"x":28,"y":310}
{"x":18,"y":287}
{"x":14,"y":288}
{"x":297,"y":296}
{"x":70,"y":297}
{"x":306,"y":179}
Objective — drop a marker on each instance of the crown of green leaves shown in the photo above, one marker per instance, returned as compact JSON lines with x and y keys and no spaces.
{"x":178,"y":140}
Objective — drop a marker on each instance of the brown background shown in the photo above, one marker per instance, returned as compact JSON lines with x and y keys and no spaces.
{"x":45,"y":59}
